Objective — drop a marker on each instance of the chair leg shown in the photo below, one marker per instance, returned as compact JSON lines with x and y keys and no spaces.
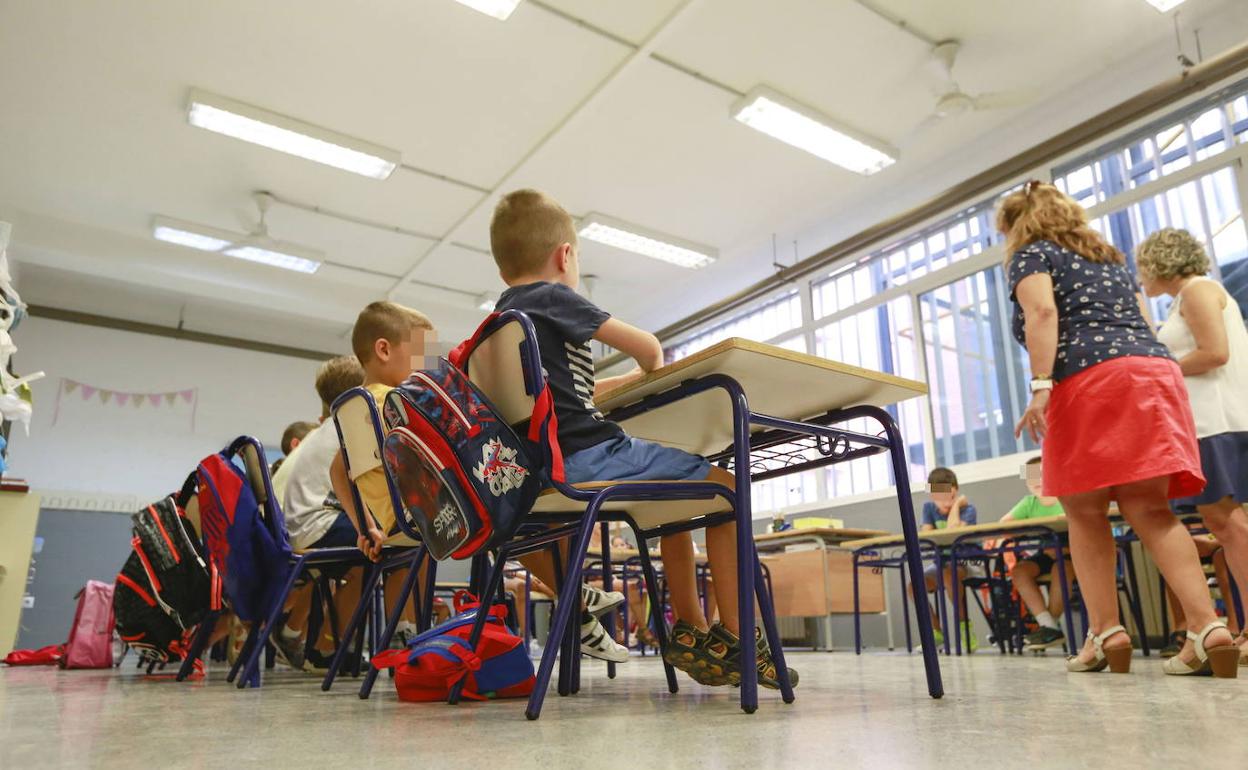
{"x":197,"y":646}
{"x":393,"y":621}
{"x":905,"y":606}
{"x":609,"y":620}
{"x":569,"y":603}
{"x":425,"y":618}
{"x":656,"y":610}
{"x":492,"y":584}
{"x":772,"y":632}
{"x":251,"y":669}
{"x":1064,"y":582}
{"x":1137,"y":609}
{"x":371,"y":575}
{"x":857,"y":610}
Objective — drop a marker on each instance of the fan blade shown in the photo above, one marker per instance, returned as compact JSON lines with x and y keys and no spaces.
{"x":1004,"y":100}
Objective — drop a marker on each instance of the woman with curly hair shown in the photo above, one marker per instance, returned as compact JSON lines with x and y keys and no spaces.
{"x":1205,"y":332}
{"x":1108,"y":401}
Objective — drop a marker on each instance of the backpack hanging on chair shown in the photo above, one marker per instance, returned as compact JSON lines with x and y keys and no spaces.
{"x":465,"y":478}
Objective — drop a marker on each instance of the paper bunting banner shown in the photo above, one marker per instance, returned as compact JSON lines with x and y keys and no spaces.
{"x":108,"y":396}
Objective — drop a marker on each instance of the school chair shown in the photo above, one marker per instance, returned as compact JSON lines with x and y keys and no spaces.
{"x":360,"y":435}
{"x":504,"y":362}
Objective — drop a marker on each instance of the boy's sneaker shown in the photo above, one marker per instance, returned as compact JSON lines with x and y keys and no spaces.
{"x":1044,"y":638}
{"x":974,"y":644}
{"x":597,"y":643}
{"x":289,"y":649}
{"x":686,"y":650}
{"x":598,"y":602}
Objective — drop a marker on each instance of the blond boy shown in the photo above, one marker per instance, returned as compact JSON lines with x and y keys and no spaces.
{"x":534,"y":243}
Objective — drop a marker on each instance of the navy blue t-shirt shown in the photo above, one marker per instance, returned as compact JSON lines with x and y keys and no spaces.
{"x":565,"y":322}
{"x":1098,"y":316}
{"x":933,"y":516}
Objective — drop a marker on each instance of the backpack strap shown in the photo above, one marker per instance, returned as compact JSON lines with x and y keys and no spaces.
{"x":188,"y":491}
{"x":459,"y":354}
{"x":545,"y":420}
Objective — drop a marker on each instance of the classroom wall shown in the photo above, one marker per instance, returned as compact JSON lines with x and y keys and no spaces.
{"x":89,"y":448}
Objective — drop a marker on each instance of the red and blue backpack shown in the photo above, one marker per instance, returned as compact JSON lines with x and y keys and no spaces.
{"x":465,"y":478}
{"x":248,"y":553}
{"x":437,"y":659}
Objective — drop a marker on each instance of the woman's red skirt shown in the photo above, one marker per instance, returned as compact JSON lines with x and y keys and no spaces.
{"x":1124,"y":420}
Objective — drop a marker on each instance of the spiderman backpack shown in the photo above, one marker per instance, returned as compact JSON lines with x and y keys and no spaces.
{"x":465,"y":478}
{"x":437,"y":659}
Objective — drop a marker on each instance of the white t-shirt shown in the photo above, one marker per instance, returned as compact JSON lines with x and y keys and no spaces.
{"x":303,"y":486}
{"x":1218,"y":396}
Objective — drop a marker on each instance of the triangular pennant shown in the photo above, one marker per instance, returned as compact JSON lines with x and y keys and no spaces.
{"x":105,"y":395}
{"x":87,"y":392}
{"x":170,"y":397}
{"x":154,"y":398}
{"x":136,"y":399}
{"x":188,"y":394}
{"x":122,"y":398}
{"x":71,"y":386}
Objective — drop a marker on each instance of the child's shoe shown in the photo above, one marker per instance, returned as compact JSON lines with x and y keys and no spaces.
{"x":597,"y":643}
{"x":686,"y":650}
{"x":967,"y":633}
{"x":724,"y":647}
{"x":1044,"y":638}
{"x":598,"y":602}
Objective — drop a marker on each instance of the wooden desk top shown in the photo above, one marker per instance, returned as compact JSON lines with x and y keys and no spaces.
{"x":826,"y":534}
{"x":778,"y":382}
{"x":947,"y":536}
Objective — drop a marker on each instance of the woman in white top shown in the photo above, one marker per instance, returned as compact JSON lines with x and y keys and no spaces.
{"x":1205,"y":332}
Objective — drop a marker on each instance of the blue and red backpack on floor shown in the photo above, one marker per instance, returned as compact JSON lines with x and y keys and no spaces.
{"x":465,"y":478}
{"x":437,"y":659}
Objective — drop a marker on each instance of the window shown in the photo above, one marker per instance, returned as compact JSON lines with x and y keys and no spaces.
{"x":767,"y":322}
{"x":977,"y":373}
{"x":1168,"y":145}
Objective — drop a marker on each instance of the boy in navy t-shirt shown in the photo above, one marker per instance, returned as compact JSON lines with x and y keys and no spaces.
{"x":947,"y":509}
{"x":533,"y":240}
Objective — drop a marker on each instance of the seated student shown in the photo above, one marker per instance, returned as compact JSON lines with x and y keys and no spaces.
{"x":291,"y":438}
{"x":314,"y":518}
{"x":533,"y":240}
{"x":389,"y":340}
{"x":1031,"y":566}
{"x":947,"y":510}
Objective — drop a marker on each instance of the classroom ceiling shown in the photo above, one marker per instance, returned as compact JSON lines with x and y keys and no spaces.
{"x":94,"y":139}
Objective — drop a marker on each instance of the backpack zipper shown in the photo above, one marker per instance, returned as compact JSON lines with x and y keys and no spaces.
{"x":445,"y":398}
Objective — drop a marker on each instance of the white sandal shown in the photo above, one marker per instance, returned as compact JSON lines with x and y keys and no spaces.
{"x":1117,"y":659}
{"x":1221,"y":660}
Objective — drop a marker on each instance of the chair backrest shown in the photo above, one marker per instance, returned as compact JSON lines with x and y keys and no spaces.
{"x":497,"y":366}
{"x":357,"y":417}
{"x":256,"y":472}
{"x":355,"y":414}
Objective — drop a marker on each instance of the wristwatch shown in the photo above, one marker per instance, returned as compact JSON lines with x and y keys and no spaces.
{"x":1041,"y":383}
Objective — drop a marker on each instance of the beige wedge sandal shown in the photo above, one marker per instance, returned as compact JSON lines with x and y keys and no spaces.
{"x":1116,"y":659}
{"x":1222,"y":660}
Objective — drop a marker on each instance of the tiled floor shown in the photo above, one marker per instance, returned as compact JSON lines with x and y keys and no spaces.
{"x":869,"y":711}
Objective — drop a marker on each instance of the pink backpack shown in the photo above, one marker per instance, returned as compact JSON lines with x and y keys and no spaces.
{"x":90,"y":642}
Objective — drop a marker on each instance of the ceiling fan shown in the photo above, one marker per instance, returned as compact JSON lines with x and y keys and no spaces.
{"x":951,"y":100}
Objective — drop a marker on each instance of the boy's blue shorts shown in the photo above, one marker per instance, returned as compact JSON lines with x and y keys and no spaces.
{"x":625,"y":458}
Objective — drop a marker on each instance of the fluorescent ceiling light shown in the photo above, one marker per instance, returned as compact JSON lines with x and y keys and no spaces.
{"x":782,"y":118}
{"x":278,"y":132}
{"x":271,"y":256}
{"x":1165,"y":5}
{"x":253,"y":248}
{"x":499,"y":9}
{"x":639,"y":240}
